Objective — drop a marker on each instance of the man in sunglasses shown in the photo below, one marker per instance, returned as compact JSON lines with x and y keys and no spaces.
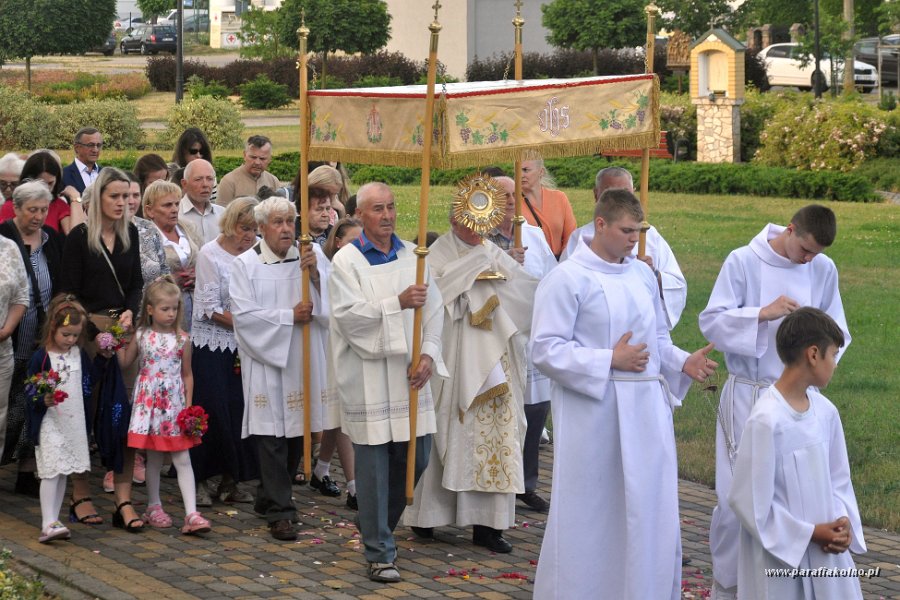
{"x":84,"y":169}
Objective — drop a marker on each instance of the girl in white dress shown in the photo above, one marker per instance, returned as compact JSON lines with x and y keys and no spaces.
{"x":58,"y":428}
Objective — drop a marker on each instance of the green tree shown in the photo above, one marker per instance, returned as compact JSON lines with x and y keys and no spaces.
{"x":348,"y":25}
{"x":695,"y":17}
{"x":753,"y":13}
{"x":889,"y":17}
{"x":37,"y":27}
{"x":259,"y":35}
{"x":155,"y":8}
{"x":594,"y":24}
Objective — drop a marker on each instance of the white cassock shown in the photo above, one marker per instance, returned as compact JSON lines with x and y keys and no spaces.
{"x":613,"y":529}
{"x":263,"y":296}
{"x":475,"y":469}
{"x":752,"y":277}
{"x":791,"y":474}
{"x":371,"y":346}
{"x":331,"y":407}
{"x":674,"y":285}
{"x":539,"y":261}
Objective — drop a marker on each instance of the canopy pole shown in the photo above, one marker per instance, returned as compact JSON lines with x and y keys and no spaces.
{"x":305,"y":241}
{"x":652,"y":11}
{"x":422,"y":250}
{"x":519,"y":220}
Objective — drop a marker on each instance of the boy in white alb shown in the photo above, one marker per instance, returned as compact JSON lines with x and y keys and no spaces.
{"x":782,"y":269}
{"x":791,"y":490}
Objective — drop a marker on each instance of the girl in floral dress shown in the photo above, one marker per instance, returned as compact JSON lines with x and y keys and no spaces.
{"x":163,"y":388}
{"x":56,"y":422}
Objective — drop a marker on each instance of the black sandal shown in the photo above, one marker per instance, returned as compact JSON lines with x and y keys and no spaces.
{"x":119,"y":520}
{"x":86,"y":519}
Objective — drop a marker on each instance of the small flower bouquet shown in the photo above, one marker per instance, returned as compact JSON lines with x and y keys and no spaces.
{"x":193,"y":421}
{"x":112,"y":340}
{"x":237,"y":364}
{"x":38,"y":386}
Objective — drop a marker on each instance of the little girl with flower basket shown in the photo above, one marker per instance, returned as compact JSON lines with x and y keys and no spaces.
{"x":58,"y":389}
{"x":162,"y":419}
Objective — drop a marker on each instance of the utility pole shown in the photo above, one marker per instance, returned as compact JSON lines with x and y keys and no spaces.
{"x":817,"y":73}
{"x":179,"y":52}
{"x":848,"y":61}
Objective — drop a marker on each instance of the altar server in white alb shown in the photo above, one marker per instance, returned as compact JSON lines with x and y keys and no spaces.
{"x":537,"y":258}
{"x":373,"y":295}
{"x":791,"y":490}
{"x":475,"y":470}
{"x":658,"y":254}
{"x":782,"y":269}
{"x":268,"y":316}
{"x":613,"y":529}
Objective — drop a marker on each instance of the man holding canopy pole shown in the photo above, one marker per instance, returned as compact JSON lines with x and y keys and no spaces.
{"x":372,"y":305}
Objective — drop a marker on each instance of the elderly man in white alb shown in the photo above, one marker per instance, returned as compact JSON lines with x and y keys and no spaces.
{"x":658,"y":255}
{"x":604,"y":342}
{"x":268,"y":312}
{"x":196,"y":206}
{"x":537,"y":258}
{"x":373,"y":293}
{"x":475,"y":470}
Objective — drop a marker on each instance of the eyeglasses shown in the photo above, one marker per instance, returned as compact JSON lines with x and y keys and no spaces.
{"x":92,"y":145}
{"x":9,"y":185}
{"x":195,"y":150}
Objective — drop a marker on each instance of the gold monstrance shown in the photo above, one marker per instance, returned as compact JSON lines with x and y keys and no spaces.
{"x":479,"y":204}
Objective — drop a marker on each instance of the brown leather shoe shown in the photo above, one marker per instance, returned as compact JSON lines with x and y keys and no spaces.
{"x":283,"y":530}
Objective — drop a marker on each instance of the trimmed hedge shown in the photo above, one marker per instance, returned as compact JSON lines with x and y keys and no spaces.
{"x":579,"y":172}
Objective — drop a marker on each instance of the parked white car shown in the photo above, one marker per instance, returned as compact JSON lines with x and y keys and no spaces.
{"x":169,"y":19}
{"x":784,"y":68}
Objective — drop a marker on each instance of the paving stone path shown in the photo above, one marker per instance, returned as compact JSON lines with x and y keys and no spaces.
{"x":239,"y":559}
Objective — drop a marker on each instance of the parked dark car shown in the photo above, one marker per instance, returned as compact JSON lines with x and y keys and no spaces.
{"x":866,"y":51}
{"x":108,"y":47}
{"x":149,"y":39}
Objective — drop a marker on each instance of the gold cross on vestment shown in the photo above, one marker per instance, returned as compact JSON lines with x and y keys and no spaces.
{"x":294,"y":400}
{"x":260,"y":401}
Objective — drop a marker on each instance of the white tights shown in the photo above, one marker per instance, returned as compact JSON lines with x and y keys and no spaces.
{"x":53,"y":492}
{"x":182,"y":462}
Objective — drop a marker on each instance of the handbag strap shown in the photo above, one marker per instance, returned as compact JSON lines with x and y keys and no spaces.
{"x":113,"y":269}
{"x":533,"y":213}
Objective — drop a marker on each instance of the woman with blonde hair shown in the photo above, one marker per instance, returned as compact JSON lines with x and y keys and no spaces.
{"x":216,"y":360}
{"x":331,"y":179}
{"x":546,"y":207}
{"x":102,"y":267}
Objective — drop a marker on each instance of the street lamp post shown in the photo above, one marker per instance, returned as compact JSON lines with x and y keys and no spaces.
{"x":817,"y":74}
{"x":179,"y":52}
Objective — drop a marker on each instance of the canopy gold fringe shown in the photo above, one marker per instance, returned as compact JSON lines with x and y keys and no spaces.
{"x":442,"y":158}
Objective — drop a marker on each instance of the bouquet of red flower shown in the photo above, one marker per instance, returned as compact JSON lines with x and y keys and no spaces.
{"x":193,"y":421}
{"x":112,"y":340}
{"x":46,"y":382}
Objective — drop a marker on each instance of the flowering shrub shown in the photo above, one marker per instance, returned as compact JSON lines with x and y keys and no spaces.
{"x":17,"y":587}
{"x":819,"y":136}
{"x":57,"y":86}
{"x":116,"y":119}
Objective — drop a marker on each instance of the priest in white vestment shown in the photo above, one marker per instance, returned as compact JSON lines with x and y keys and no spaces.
{"x":537,"y":258}
{"x":658,"y":254}
{"x":475,"y":469}
{"x":373,"y":293}
{"x":781,"y":269}
{"x":268,"y":314}
{"x":613,"y":529}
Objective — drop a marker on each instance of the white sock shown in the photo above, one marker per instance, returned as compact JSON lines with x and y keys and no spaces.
{"x":322,"y":468}
{"x":351,"y":487}
{"x":53,"y":490}
{"x":153,"y":467}
{"x":186,"y":483}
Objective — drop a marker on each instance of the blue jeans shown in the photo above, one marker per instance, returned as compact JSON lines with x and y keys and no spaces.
{"x":381,"y":493}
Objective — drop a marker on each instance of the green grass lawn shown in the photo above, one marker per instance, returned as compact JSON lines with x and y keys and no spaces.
{"x":702,"y":231}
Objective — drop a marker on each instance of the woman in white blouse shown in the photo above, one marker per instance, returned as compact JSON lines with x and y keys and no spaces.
{"x":215,"y":359}
{"x":181,"y":242}
{"x":14,"y":299}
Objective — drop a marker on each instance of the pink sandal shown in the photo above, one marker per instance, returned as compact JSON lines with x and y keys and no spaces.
{"x":157,"y":517}
{"x":195,"y":523}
